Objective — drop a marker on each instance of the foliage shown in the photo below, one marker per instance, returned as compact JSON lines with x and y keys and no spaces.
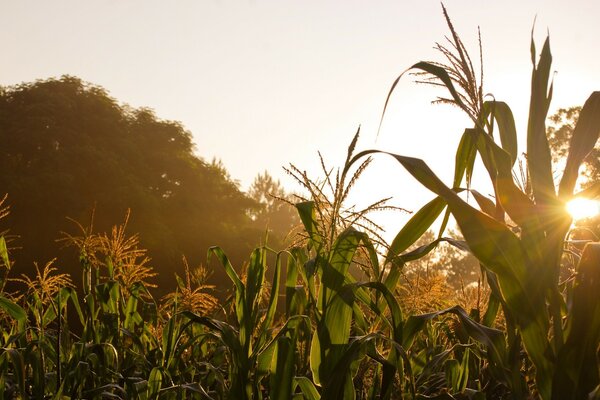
{"x":519,"y":237}
{"x":276,"y":212}
{"x":69,"y":148}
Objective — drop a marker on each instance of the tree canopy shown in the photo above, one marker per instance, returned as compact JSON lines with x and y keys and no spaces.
{"x":67,"y":148}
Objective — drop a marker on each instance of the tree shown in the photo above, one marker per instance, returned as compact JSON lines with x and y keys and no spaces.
{"x":275,"y":211}
{"x":67,"y":147}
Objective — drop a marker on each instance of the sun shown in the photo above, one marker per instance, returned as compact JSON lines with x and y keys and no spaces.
{"x":581,"y":208}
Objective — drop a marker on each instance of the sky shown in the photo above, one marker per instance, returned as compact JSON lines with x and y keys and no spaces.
{"x":264,"y":83}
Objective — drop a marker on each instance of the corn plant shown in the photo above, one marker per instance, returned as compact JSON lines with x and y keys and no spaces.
{"x":519,"y":235}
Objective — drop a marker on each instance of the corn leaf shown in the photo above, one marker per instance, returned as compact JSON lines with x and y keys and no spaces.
{"x":585,"y":136}
{"x":15,"y":311}
{"x":282,"y":378}
{"x":577,"y":371}
{"x":416,"y":226}
{"x":308,"y":389}
{"x":538,"y":151}
{"x":502,"y":114}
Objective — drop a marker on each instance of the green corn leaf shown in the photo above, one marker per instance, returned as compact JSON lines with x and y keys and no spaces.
{"x":497,"y":248}
{"x":16,"y":358}
{"x":577,"y":371}
{"x":332,"y":336}
{"x":254,"y":284}
{"x":502,"y":114}
{"x":306,"y":210}
{"x":154,"y":383}
{"x":282,"y":378}
{"x":435,"y":70}
{"x":308,"y":389}
{"x":227,"y":333}
{"x":270,"y":315}
{"x":109,"y":294}
{"x":339,"y":385}
{"x":169,"y":338}
{"x":341,"y":256}
{"x":291,"y":279}
{"x":4,"y":254}
{"x":585,"y":136}
{"x":516,"y":203}
{"x":291,"y":327}
{"x":242,"y":308}
{"x":60,"y":300}
{"x":15,"y":311}
{"x":416,"y":226}
{"x":393,"y":306}
{"x":538,"y":151}
{"x":485,"y":204}
{"x":464,"y":159}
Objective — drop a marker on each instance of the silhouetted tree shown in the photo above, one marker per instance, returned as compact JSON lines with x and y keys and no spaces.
{"x":275,"y":212}
{"x":66,"y":147}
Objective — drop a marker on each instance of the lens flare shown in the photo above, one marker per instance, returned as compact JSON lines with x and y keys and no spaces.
{"x":581,"y":208}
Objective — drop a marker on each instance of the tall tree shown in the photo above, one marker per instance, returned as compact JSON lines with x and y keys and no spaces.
{"x":66,"y":147}
{"x":275,"y":211}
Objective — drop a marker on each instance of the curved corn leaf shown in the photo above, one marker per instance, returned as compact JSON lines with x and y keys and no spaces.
{"x":464,"y":159}
{"x":16,"y":358}
{"x":307,"y":388}
{"x":306,"y":211}
{"x":282,"y":378}
{"x":538,"y":152}
{"x":416,"y":226}
{"x":255,"y":277}
{"x":272,"y":307}
{"x":15,"y":311}
{"x":339,"y":385}
{"x":154,"y":383}
{"x":331,"y":338}
{"x":485,"y":204}
{"x":502,"y":114}
{"x":585,"y":136}
{"x":242,"y":310}
{"x":435,"y":70}
{"x":498,"y":249}
{"x":577,"y":371}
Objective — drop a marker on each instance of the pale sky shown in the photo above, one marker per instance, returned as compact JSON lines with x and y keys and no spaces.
{"x":263,"y":83}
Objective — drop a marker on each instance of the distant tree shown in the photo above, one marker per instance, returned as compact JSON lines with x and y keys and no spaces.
{"x":67,"y":147}
{"x":462,"y":268}
{"x":435,"y":281}
{"x":275,"y":212}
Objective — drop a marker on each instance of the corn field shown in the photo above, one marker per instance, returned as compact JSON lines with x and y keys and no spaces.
{"x":317,"y":330}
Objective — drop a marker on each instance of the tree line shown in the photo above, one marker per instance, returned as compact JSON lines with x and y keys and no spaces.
{"x":72,"y":157}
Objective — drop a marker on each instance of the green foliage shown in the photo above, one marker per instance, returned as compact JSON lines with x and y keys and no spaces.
{"x":68,"y":148}
{"x":521,"y":254}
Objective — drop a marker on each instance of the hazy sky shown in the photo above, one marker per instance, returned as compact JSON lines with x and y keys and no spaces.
{"x":262,"y":83}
